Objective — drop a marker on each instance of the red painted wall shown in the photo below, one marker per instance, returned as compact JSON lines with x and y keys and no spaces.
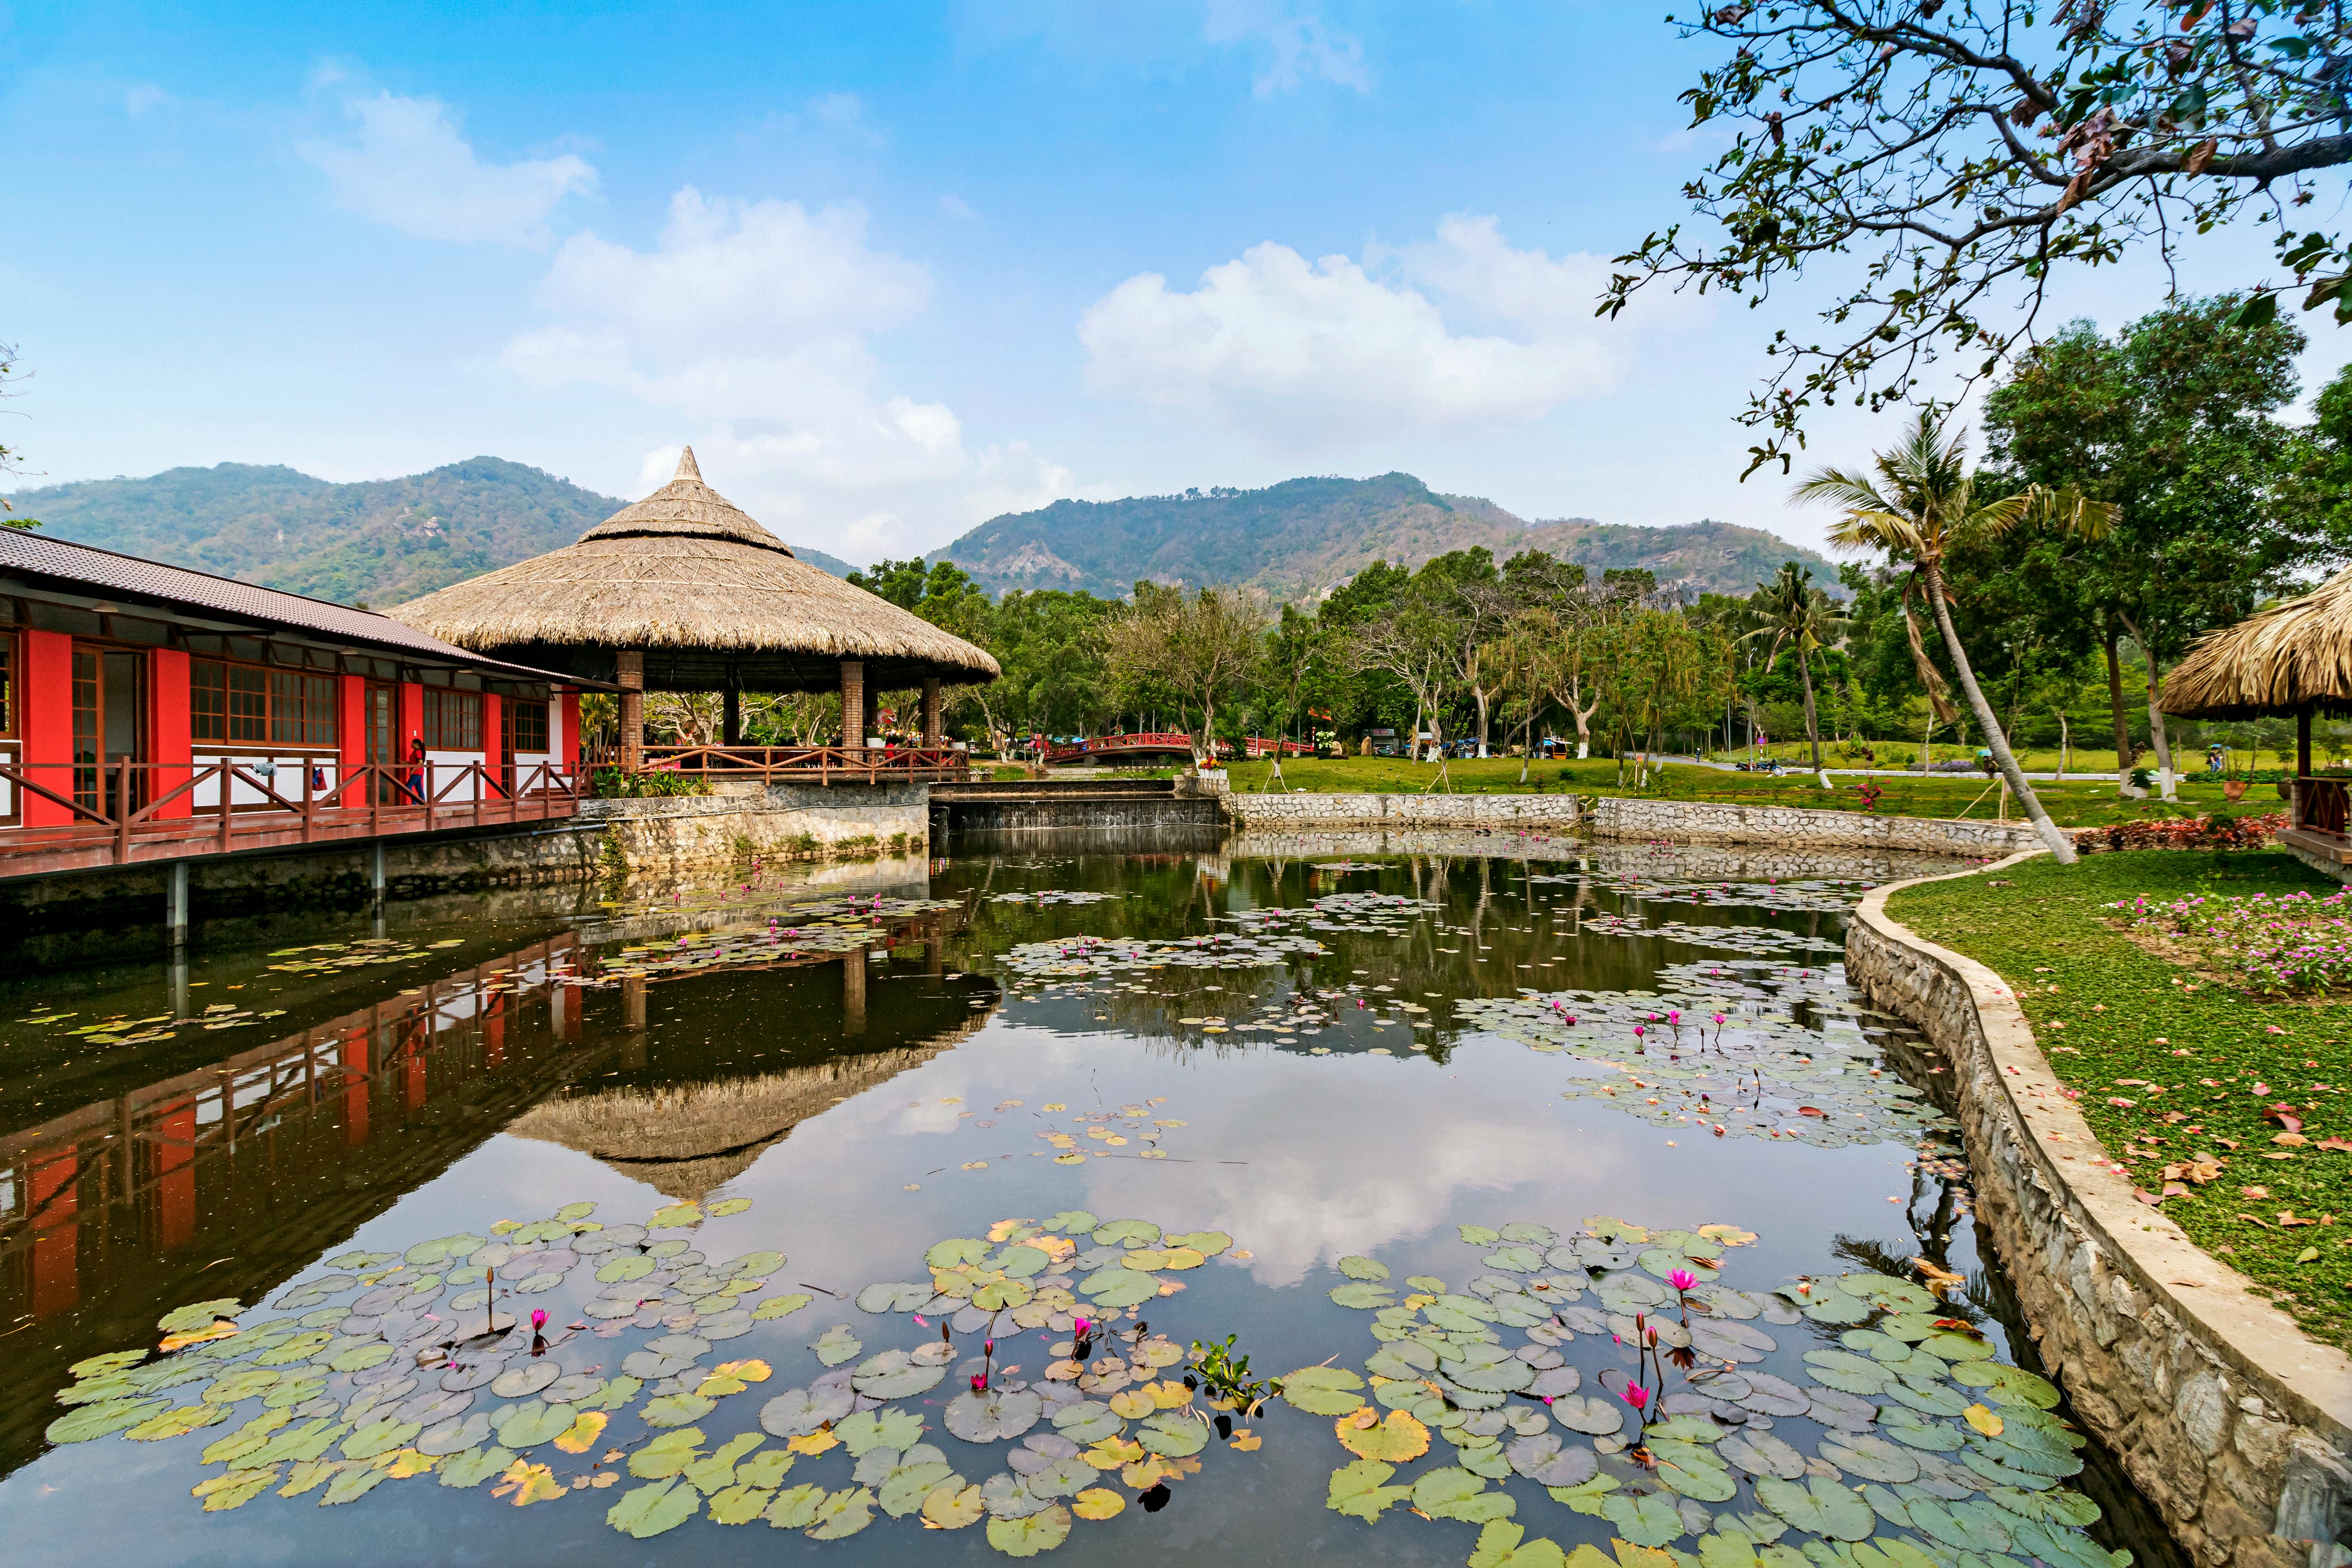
{"x":350,"y":733}
{"x":569,"y":746}
{"x":47,"y":725}
{"x":175,"y":1176}
{"x":493,"y":717}
{"x":168,"y":721}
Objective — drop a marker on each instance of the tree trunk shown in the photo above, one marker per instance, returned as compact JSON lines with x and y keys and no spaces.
{"x":2157,"y":736}
{"x":2065,"y":744}
{"x":2115,"y":706}
{"x":1480,"y":693}
{"x":2062,"y":849}
{"x":1813,"y":725}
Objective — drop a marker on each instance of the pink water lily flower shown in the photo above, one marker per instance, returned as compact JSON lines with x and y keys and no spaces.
{"x":538,"y":1319}
{"x":1637,"y":1396}
{"x":1683,"y":1280}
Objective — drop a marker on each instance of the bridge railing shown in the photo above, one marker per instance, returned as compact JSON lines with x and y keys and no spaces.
{"x":824,"y":765}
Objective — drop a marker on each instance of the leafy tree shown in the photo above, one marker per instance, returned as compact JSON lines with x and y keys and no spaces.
{"x":2174,"y":422}
{"x":1922,"y":505}
{"x":1796,"y":615}
{"x":1202,"y":648}
{"x":1963,"y":151}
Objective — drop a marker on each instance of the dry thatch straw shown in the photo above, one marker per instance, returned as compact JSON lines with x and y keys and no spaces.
{"x":713,"y":598}
{"x":687,"y":1141}
{"x":2291,"y":655}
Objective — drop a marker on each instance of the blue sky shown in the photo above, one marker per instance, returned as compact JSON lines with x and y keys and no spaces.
{"x":890,"y":268}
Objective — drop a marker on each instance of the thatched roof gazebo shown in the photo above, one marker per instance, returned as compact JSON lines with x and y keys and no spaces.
{"x":2293,"y":658}
{"x":685,"y":592}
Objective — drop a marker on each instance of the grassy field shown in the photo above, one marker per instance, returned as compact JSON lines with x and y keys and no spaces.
{"x":2088,"y":804}
{"x":2172,"y":1065}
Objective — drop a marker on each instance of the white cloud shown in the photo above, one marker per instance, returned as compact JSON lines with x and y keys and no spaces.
{"x":753,"y":321}
{"x":411,"y":169}
{"x":955,"y":207}
{"x":1012,"y":477}
{"x":1461,"y":331}
{"x":1301,"y":47}
{"x":1298,"y":47}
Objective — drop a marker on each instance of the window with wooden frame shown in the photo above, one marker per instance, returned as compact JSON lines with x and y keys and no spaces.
{"x":7,"y":685}
{"x":529,"y":725}
{"x":250,"y":705}
{"x":453,"y":721}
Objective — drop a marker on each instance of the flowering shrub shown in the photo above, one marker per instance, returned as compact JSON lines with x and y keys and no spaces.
{"x":2275,"y":945}
{"x":2183,"y":833}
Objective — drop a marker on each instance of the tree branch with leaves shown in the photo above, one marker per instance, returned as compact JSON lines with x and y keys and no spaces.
{"x":1965,"y":151}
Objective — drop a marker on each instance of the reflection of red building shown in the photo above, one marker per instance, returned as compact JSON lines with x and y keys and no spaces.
{"x":160,"y":1165}
{"x":125,"y":681}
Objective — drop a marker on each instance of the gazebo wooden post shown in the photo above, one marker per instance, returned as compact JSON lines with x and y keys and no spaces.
{"x":931,"y":712}
{"x":629,"y":674}
{"x":731,"y":720}
{"x":853,"y":705}
{"x":2302,"y":786}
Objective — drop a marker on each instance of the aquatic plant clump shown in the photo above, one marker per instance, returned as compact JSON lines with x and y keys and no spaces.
{"x":1637,"y":1396}
{"x":1736,"y":1046}
{"x":414,"y":1371}
{"x":1069,"y":957}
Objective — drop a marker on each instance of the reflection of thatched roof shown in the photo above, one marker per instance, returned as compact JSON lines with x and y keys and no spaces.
{"x":687,"y":1141}
{"x":689,"y":578}
{"x":2273,"y":662}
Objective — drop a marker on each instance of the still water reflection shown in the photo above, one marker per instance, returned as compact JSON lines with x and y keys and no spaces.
{"x":1307,"y":1053}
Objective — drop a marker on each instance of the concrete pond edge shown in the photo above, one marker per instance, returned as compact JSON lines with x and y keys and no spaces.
{"x":2234,"y":1424}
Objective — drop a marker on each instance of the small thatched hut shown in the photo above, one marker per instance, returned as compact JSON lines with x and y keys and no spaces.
{"x":2293,"y":658}
{"x":683,"y":592}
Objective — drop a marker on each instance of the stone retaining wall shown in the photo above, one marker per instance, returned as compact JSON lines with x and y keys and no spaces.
{"x":2236,"y":1426}
{"x":1723,"y":821}
{"x":664,"y":835}
{"x":1559,"y":813}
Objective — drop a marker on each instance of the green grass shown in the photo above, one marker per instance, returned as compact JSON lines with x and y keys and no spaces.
{"x":2089,"y":803}
{"x":2105,"y":1009}
{"x":2092,"y":755}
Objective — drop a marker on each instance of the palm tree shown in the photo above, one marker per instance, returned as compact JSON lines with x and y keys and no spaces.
{"x":1921,"y":507}
{"x":1797,"y":613}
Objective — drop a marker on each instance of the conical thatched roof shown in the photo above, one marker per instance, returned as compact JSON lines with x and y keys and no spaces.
{"x":711,"y":597}
{"x":2277,"y":661}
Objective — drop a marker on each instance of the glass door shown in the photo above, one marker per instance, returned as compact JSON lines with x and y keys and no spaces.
{"x":108,"y":727}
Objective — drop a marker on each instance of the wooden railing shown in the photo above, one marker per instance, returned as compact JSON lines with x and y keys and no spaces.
{"x":811,"y":764}
{"x":1154,"y":741}
{"x":132,"y":820}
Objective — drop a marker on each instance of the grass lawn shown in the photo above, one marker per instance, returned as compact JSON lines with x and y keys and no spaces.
{"x":2170,"y":1066}
{"x":2091,"y":803}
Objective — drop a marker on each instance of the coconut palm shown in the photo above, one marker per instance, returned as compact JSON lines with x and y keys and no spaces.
{"x":1796,"y":614}
{"x":1922,"y":507}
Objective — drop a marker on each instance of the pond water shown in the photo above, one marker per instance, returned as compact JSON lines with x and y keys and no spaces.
{"x":814,"y":1178}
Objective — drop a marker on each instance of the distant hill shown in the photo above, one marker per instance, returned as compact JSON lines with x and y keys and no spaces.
{"x":1302,"y":537}
{"x":378,"y":541}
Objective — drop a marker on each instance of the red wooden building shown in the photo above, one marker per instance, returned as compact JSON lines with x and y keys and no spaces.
{"x":149,"y":713}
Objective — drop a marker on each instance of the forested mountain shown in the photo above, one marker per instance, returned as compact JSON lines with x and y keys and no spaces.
{"x":376,"y":543}
{"x":1301,"y":537}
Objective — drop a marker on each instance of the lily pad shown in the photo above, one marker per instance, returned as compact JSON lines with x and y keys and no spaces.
{"x":894,"y":1374}
{"x":841,"y":1514}
{"x":1542,"y":1460}
{"x":533,"y":1421}
{"x":1364,"y":1294}
{"x":1086,"y":1421}
{"x":1590,"y":1414}
{"x":1031,"y":1534}
{"x":517,"y":1383}
{"x":1125,"y":1233}
{"x":993,"y":1415}
{"x":1361,"y":1491}
{"x":472,"y":1467}
{"x":1871,"y":1457}
{"x":1356,"y":1267}
{"x":672,"y":1410}
{"x":1818,"y":1505}
{"x":893,"y":1296}
{"x":836,"y":1346}
{"x":1323,"y":1390}
{"x":1455,"y":1493}
{"x":97,"y":1420}
{"x":1647,"y":1520}
{"x":1207,"y":1243}
{"x":797,"y":1412}
{"x":649,"y":1510}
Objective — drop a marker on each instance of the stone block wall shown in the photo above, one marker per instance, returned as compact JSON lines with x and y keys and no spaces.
{"x":2235,"y":1426}
{"x":669,"y":835}
{"x":1726,"y":822}
{"x":1556,"y":813}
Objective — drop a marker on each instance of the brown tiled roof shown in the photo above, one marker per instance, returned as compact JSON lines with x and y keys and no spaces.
{"x":103,"y":573}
